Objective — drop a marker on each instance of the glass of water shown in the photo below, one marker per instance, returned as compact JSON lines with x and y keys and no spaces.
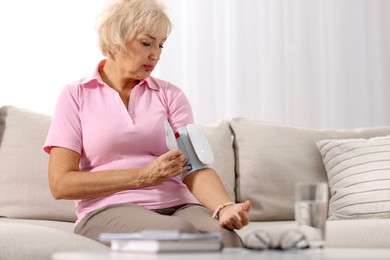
{"x":311,"y":211}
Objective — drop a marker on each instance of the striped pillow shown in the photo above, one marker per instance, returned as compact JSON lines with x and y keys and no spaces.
{"x":359,"y":177}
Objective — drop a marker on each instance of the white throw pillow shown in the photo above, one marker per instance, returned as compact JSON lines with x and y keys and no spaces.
{"x":359,"y":177}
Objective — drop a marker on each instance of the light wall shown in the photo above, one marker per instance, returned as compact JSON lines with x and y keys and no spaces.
{"x":320,"y":63}
{"x":45,"y":44}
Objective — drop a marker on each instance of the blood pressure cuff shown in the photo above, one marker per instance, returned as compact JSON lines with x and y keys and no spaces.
{"x":193,"y":143}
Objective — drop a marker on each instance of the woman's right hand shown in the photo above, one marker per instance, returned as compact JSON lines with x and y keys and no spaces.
{"x":68,"y":182}
{"x":168,"y":165}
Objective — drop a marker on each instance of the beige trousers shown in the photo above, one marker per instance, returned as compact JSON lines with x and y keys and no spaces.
{"x":129,"y":218}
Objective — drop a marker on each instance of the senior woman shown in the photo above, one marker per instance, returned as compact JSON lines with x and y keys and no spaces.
{"x":107,"y":140}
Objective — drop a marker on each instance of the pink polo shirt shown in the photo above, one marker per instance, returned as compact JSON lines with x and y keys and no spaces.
{"x":91,"y":119}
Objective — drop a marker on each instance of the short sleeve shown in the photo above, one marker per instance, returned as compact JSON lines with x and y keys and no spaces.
{"x":179,"y":108}
{"x":180,"y":114}
{"x":65,"y":129}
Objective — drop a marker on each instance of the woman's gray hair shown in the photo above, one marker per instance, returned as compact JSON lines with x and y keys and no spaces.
{"x":122,"y":20}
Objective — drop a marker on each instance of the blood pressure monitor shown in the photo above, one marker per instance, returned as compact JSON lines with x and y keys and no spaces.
{"x":193,"y":143}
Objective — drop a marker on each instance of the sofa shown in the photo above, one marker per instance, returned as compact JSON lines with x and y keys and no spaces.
{"x":259,"y":161}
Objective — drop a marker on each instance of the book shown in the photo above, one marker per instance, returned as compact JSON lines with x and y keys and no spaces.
{"x":162,"y":241}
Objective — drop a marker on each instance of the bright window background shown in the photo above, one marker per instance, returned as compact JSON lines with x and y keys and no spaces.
{"x":44,"y":45}
{"x":315,"y":63}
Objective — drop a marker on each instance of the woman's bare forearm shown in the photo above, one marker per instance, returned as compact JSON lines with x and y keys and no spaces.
{"x":207,"y":187}
{"x":68,"y":182}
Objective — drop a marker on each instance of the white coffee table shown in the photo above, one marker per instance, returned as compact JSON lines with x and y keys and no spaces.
{"x":236,"y":254}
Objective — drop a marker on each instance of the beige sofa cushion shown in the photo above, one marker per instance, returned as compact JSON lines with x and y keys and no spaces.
{"x":24,"y":189}
{"x":361,"y":233}
{"x":220,"y":139}
{"x":358,"y":233}
{"x":27,"y":242}
{"x":271,"y":158}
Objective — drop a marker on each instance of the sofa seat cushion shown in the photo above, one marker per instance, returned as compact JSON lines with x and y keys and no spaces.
{"x":24,"y":188}
{"x":271,"y":158}
{"x":26,"y":242}
{"x":361,"y":233}
{"x":355,"y":233}
{"x":61,"y":225}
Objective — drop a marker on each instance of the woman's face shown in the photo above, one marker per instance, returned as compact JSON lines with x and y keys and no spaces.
{"x":141,"y":56}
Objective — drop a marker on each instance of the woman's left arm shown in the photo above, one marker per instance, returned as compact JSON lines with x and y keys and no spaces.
{"x":205,"y":184}
{"x":207,"y":187}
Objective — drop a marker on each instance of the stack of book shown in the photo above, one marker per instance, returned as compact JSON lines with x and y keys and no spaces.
{"x":162,"y":241}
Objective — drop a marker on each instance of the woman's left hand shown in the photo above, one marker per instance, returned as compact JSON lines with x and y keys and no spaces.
{"x":235,"y":216}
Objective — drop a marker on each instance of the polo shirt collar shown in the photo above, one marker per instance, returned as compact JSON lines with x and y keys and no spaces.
{"x":95,"y":80}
